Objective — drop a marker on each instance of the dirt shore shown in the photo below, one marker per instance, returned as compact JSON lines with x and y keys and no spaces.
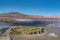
{"x":35,"y":37}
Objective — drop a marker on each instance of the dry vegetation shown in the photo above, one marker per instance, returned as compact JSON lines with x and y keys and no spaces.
{"x":6,"y":20}
{"x":25,"y":30}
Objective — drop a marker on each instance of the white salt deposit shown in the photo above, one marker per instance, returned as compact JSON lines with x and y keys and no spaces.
{"x":52,"y":34}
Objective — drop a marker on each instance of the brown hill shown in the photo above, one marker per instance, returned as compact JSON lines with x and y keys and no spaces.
{"x":17,"y":15}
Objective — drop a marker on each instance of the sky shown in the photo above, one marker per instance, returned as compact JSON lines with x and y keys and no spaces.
{"x":31,"y":7}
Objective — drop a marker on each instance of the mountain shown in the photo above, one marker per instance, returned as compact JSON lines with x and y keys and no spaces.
{"x":22,"y":17}
{"x":17,"y":15}
{"x":11,"y":14}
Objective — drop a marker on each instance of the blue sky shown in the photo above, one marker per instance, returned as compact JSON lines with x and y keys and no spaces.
{"x":31,"y":7}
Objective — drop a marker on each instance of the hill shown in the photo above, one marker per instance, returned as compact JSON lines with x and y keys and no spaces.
{"x":17,"y":15}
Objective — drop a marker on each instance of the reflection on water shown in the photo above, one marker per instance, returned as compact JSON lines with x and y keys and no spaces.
{"x":32,"y":23}
{"x":4,"y":25}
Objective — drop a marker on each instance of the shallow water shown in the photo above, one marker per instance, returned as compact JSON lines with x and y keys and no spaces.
{"x":34,"y":23}
{"x":53,"y":28}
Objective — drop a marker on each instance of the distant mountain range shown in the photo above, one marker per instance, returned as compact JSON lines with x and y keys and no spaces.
{"x":17,"y":15}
